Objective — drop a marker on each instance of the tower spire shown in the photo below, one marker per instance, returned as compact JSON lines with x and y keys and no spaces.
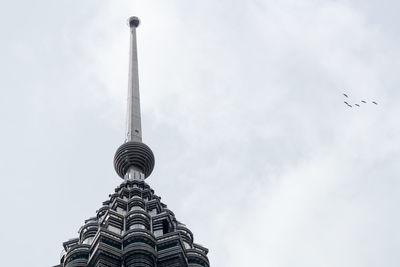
{"x":133,"y":227}
{"x":133,"y":160}
{"x":133,"y":120}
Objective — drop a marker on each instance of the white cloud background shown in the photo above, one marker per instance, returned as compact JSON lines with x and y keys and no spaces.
{"x":242,"y":105}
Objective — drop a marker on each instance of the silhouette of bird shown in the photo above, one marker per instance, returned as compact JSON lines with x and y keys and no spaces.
{"x":363,"y":101}
{"x":357,"y":105}
{"x":374,"y":102}
{"x":345,"y":95}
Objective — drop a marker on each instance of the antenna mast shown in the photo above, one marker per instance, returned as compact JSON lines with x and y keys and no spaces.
{"x":133,"y":119}
{"x":133,"y":160}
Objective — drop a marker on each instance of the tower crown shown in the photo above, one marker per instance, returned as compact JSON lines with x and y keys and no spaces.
{"x":133,"y":159}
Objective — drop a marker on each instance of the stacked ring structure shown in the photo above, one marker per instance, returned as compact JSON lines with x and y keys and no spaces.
{"x":134,"y":154}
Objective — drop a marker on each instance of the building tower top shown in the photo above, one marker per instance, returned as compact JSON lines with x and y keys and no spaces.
{"x":133,"y":159}
{"x":133,"y":227}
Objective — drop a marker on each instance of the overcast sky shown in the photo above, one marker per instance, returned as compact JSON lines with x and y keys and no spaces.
{"x":242,"y":106}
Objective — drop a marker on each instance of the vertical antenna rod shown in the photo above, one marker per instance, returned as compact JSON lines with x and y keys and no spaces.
{"x":133,"y":120}
{"x":133,"y":160}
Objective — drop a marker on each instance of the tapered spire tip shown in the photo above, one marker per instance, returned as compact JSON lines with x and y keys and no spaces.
{"x":133,"y":22}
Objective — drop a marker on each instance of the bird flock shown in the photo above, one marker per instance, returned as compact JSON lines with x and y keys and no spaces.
{"x":357,"y":104}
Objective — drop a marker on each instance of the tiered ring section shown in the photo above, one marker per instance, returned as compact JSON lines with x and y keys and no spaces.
{"x":134,"y":154}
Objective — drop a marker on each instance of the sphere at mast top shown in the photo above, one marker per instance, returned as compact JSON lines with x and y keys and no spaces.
{"x":133,"y":22}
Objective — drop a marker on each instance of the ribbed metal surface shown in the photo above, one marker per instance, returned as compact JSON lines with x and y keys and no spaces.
{"x":133,"y":154}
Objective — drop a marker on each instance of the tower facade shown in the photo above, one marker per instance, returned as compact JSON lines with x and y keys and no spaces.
{"x":133,"y":228}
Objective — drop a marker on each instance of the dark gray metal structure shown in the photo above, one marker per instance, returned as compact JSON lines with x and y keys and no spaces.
{"x":133,"y":227}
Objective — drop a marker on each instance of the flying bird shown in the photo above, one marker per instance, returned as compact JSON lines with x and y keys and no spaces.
{"x":345,"y":95}
{"x":363,"y":101}
{"x":347,"y":104}
{"x":374,"y":102}
{"x":357,"y":105}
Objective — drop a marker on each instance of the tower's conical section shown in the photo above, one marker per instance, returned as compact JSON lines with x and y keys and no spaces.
{"x":133,"y":228}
